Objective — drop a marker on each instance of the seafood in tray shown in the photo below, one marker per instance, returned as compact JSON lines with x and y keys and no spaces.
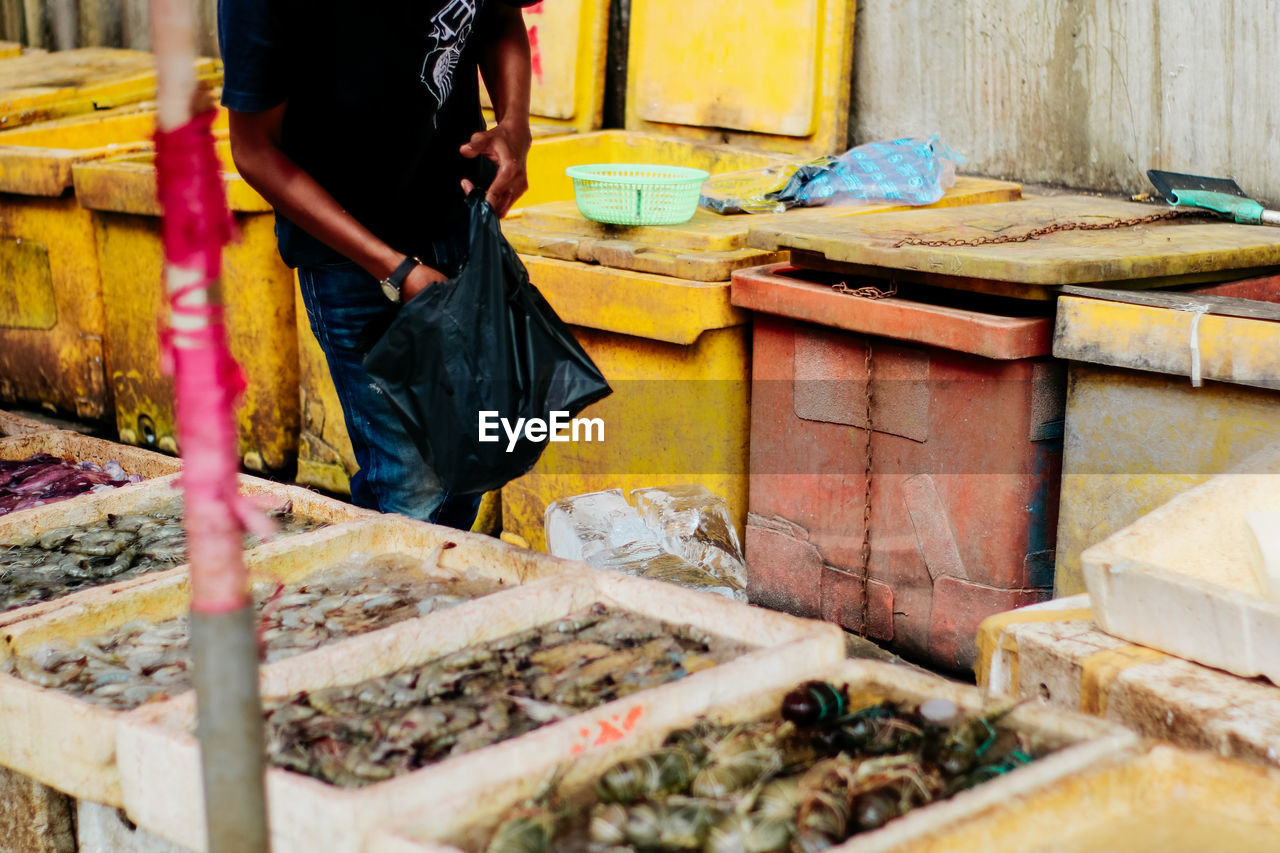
{"x":144,"y":661}
{"x":827,"y":770}
{"x":355,"y":735}
{"x":116,"y":548}
{"x":44,"y":479}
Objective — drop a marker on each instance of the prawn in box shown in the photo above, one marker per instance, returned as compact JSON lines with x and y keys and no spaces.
{"x":525,"y":677}
{"x":864,"y":758}
{"x":73,"y":674}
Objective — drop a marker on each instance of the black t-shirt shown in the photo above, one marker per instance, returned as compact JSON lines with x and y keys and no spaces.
{"x":380,"y":96}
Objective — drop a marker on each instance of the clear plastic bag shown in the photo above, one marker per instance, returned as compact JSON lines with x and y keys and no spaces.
{"x":911,"y":171}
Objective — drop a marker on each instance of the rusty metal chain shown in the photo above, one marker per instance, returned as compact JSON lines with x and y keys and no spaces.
{"x":1037,"y":233}
{"x":864,"y":625}
{"x":868,"y":292}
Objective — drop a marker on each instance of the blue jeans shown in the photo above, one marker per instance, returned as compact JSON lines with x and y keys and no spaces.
{"x":347,"y":310}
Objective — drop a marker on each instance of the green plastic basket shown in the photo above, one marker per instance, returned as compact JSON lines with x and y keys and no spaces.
{"x":637,"y":193}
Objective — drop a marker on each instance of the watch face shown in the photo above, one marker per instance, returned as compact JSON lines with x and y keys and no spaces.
{"x":392,"y":292}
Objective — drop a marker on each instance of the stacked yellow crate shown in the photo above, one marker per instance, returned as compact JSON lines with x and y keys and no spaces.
{"x":51,"y":306}
{"x":257,"y":294}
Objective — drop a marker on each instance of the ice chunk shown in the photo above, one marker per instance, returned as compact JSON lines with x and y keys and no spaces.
{"x":650,"y":560}
{"x":602,"y":529}
{"x":580,"y":527}
{"x":633,"y":558}
{"x":695,"y":524}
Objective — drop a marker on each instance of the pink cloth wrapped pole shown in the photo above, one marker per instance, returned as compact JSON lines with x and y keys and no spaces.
{"x":206,"y":378}
{"x":224,"y":653}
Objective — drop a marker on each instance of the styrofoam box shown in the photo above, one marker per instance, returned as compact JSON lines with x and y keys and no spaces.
{"x":1181,"y":579}
{"x":1062,"y":656}
{"x":11,"y":424}
{"x":159,"y":756}
{"x":69,"y":744}
{"x":82,"y":448}
{"x":1080,"y":742}
{"x":151,"y":496}
{"x":103,"y":829}
{"x":1165,"y":800}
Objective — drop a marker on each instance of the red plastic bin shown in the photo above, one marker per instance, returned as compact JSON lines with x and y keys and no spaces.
{"x":966,"y":448}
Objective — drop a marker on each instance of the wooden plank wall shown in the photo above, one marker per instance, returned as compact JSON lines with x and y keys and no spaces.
{"x":62,"y":24}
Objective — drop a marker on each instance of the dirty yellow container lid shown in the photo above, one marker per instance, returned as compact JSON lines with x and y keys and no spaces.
{"x":773,"y":74}
{"x":709,"y":247}
{"x":549,"y":159}
{"x":41,"y":86}
{"x":1154,"y":254}
{"x":569,"y":43}
{"x":37,"y":159}
{"x":1237,"y":343}
{"x":127,"y":184}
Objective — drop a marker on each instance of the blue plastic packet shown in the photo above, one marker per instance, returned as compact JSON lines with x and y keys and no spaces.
{"x":910,"y":171}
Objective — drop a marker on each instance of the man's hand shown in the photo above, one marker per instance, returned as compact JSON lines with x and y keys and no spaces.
{"x":507,"y":145}
{"x":419,"y":279}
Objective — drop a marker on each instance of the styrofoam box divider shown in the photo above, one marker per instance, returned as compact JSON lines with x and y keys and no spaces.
{"x":11,"y":424}
{"x":151,"y":496}
{"x":1082,"y":742}
{"x":159,"y":757}
{"x":69,"y":744}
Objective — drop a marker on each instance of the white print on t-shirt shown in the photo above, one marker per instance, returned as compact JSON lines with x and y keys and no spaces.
{"x":450,"y":28}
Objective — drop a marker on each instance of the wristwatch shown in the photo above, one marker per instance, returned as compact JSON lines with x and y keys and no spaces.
{"x":393,"y":285}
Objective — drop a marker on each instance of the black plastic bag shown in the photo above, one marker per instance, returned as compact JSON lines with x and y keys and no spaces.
{"x":485,"y":341}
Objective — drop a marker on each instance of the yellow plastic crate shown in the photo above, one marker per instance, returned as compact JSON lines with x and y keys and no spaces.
{"x":1158,"y":254}
{"x":257,"y":293}
{"x":39,"y":86}
{"x":678,"y":357}
{"x":567,"y":91}
{"x":775,"y":74}
{"x":52,"y":324}
{"x":548,"y":158}
{"x":1137,"y":433}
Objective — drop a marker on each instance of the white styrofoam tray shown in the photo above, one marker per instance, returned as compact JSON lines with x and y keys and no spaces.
{"x":1183,"y":579}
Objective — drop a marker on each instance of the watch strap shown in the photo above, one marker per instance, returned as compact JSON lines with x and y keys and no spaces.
{"x":397,"y":277}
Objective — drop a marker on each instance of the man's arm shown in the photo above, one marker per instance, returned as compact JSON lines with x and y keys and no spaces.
{"x":255,"y":147}
{"x":506,"y":69}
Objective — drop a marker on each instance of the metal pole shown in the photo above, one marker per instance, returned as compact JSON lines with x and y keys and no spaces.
{"x":223,"y":641}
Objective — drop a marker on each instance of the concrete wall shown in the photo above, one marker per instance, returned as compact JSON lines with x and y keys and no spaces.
{"x":1084,"y":93}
